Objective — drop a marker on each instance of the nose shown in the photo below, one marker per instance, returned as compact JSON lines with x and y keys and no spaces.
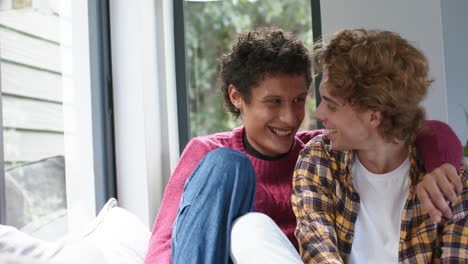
{"x":291,"y":115}
{"x":319,"y":115}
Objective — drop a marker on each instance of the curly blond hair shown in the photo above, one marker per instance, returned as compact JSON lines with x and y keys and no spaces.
{"x":380,"y":71}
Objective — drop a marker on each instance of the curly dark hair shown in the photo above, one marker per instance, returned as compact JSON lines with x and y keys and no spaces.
{"x":257,"y":54}
{"x":381,"y":71}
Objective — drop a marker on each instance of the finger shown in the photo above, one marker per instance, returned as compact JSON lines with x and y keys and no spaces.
{"x":427,"y":204}
{"x":437,"y":199}
{"x":455,"y":179}
{"x":447,"y":187}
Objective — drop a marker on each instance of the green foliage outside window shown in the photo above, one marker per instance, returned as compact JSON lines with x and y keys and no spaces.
{"x":210,"y":28}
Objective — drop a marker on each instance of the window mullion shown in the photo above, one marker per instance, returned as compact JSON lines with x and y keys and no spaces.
{"x":2,"y":167}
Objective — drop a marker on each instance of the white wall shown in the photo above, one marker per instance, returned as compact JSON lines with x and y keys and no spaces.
{"x":416,"y":20}
{"x":455,"y":33}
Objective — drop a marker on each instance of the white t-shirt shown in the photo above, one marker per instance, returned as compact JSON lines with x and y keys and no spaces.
{"x":382,"y":200}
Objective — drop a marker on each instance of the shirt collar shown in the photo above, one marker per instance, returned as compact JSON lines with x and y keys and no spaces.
{"x":417,"y":170}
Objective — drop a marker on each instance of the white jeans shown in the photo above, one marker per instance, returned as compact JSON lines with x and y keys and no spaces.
{"x":255,"y":238}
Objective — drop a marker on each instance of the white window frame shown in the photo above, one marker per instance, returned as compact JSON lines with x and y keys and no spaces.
{"x":76,"y":76}
{"x":145,"y":104}
{"x":77,"y":113}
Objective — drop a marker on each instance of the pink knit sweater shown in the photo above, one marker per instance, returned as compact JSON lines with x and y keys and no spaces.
{"x":274,"y":179}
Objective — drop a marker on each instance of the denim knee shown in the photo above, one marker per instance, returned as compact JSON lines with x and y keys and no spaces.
{"x":223,"y":168}
{"x":226,"y":154}
{"x":221,"y":188}
{"x":233,"y":162}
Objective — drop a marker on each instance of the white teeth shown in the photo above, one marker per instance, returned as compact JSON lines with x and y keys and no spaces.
{"x":331,"y":131}
{"x":281,"y":133}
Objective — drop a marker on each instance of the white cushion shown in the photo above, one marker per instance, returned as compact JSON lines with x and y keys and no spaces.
{"x":114,"y":236}
{"x":21,"y":247}
{"x":120,"y":235}
{"x":79,"y":252}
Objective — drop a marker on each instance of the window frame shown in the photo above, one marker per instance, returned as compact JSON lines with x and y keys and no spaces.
{"x":99,"y":71}
{"x":145,"y":103}
{"x":183,"y":112}
{"x":317,"y":36}
{"x":2,"y":168}
{"x":102,"y":102}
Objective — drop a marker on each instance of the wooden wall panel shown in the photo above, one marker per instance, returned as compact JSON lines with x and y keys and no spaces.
{"x":32,"y":115}
{"x":25,"y":81}
{"x":31,"y":146}
{"x":30,"y":51}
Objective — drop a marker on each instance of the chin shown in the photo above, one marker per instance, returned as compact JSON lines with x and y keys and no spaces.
{"x":334,"y":146}
{"x":339,"y":148}
{"x":280,"y":151}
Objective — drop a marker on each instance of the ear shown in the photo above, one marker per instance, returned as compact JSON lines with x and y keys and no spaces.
{"x":375,"y":118}
{"x":235,"y":96}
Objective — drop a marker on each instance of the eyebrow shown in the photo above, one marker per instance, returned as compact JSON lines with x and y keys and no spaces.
{"x":331,"y":100}
{"x":279,"y":96}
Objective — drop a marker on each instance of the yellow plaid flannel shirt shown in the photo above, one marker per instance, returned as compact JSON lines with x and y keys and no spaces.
{"x":326,"y":206}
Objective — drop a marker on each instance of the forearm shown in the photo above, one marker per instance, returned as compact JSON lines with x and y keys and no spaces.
{"x":438,"y":144}
{"x":314,"y":198}
{"x":315,"y":230}
{"x":312,"y":205}
{"x":159,"y":249}
{"x":318,"y":242}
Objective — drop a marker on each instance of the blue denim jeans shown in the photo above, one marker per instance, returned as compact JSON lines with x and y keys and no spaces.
{"x":220,"y":189}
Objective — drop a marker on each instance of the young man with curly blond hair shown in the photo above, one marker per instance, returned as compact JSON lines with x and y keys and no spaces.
{"x":354,"y":189}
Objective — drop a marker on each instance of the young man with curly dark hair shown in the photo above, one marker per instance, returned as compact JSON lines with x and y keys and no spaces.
{"x":220,"y":177}
{"x":354,"y":189}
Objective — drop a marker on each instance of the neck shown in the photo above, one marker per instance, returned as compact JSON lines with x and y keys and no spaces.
{"x":257,"y":154}
{"x":382,"y":157}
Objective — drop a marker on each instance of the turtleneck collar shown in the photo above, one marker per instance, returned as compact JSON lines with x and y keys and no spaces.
{"x":253,"y":152}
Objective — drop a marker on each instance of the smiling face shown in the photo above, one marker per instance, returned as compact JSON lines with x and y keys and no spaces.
{"x":347,"y":128}
{"x":274,"y":113}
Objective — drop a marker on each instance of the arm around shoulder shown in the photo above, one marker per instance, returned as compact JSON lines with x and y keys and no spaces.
{"x":437,"y":144}
{"x":441,"y":152}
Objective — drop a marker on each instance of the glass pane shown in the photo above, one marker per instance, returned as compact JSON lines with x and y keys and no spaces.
{"x":210,"y":28}
{"x":33,"y":125}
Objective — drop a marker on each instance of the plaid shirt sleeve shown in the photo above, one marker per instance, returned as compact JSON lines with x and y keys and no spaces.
{"x":313,"y":205}
{"x":454,"y":246}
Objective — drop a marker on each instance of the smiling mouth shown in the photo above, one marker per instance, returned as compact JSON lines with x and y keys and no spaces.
{"x":331,"y":131}
{"x":281,"y":133}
